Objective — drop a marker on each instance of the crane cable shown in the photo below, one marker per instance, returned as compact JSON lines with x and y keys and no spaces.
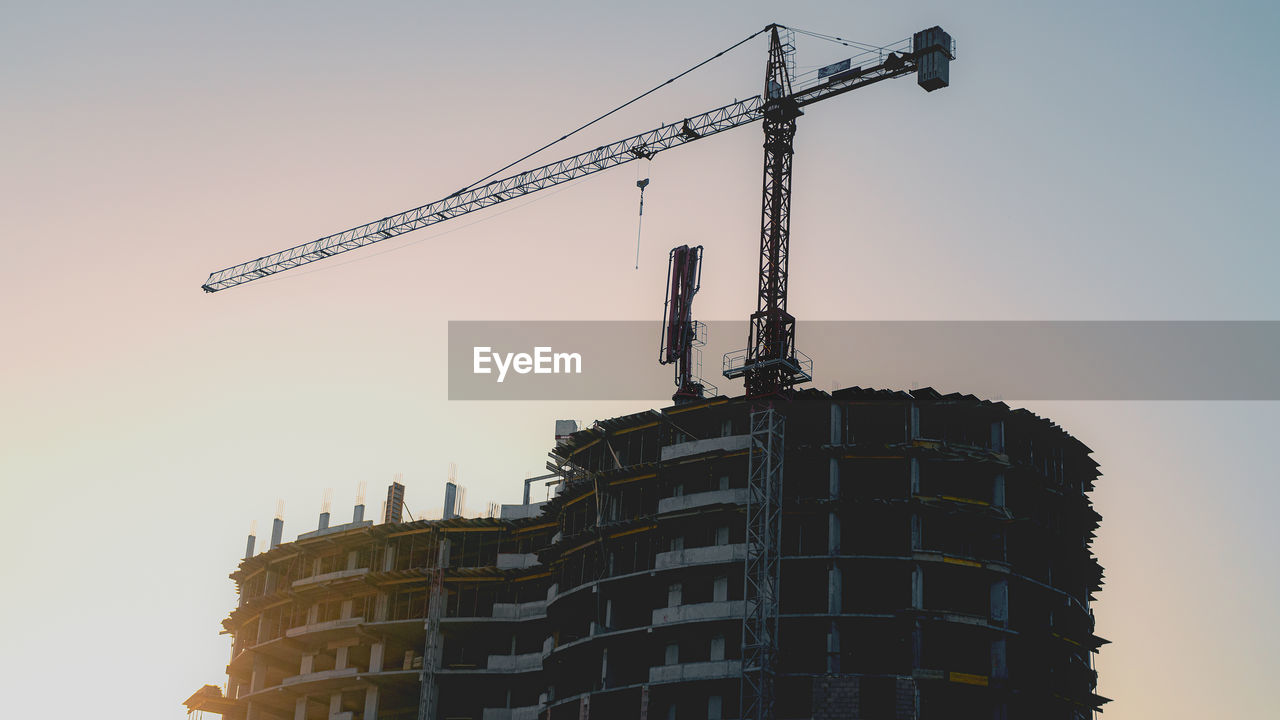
{"x":623,"y":105}
{"x":642,"y":184}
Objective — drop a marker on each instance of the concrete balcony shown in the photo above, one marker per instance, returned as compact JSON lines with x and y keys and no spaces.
{"x":735,"y":496}
{"x":685,"y":672}
{"x":324,"y":678}
{"x":519,"y":611}
{"x":722,"y":610}
{"x":521,"y":512}
{"x":711,"y":554}
{"x":732,"y":443}
{"x":333,"y":577}
{"x":516,"y":561}
{"x":325,"y":630}
{"x":529,"y":662}
{"x":521,"y":713}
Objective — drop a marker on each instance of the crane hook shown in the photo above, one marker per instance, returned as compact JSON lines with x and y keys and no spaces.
{"x":642,"y":184}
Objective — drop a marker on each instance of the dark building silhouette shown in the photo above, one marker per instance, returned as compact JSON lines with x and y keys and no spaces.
{"x":936,"y":564}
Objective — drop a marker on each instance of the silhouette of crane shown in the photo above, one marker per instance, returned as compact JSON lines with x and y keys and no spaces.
{"x":770,"y":364}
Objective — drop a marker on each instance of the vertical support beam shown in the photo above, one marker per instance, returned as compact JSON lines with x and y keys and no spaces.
{"x":428,"y":693}
{"x":604,"y":668}
{"x":999,"y":617}
{"x":997,"y":435}
{"x":917,"y":603}
{"x":837,"y":424}
{"x":761,"y":577}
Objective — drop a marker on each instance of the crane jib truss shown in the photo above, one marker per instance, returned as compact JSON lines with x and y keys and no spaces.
{"x":643,"y":145}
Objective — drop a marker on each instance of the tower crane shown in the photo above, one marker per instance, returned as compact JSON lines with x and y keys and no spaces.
{"x":770,"y":363}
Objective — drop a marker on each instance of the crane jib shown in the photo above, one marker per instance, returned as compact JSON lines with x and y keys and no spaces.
{"x":931,"y":56}
{"x":602,"y":158}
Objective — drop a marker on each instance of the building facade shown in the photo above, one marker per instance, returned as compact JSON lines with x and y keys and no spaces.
{"x":936,"y":563}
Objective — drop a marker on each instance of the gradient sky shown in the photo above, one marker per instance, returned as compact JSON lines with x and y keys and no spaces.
{"x":1091,"y":161}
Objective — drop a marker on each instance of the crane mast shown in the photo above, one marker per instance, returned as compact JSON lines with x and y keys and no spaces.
{"x":770,"y":369}
{"x":771,"y":365}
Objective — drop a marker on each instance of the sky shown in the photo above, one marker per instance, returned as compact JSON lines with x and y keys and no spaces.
{"x":1090,"y":161}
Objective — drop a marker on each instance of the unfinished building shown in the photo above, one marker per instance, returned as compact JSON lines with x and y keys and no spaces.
{"x":935,"y":554}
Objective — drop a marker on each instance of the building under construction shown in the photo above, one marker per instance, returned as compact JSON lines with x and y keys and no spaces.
{"x":934,"y":563}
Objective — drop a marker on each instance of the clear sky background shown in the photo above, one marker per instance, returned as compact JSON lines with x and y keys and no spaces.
{"x":1091,"y":161}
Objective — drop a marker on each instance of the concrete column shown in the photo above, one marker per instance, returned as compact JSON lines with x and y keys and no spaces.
{"x":604,"y":667}
{"x":674,"y":591}
{"x":917,"y":646}
{"x":376,"y":652}
{"x":917,"y":531}
{"x":308,"y":664}
{"x":714,"y":704}
{"x":837,"y":424}
{"x":833,"y":479}
{"x":353,"y":558}
{"x":917,"y":586}
{"x":348,"y":606}
{"x":997,"y":490}
{"x":999,"y":663}
{"x":340,"y":657}
{"x":999,"y":614}
{"x":833,"y":650}
{"x":335,"y":703}
{"x":389,"y":558}
{"x":717,"y":648}
{"x":720,"y":589}
{"x":914,"y":469}
{"x":371,"y":702}
{"x":259,"y":677}
{"x":997,"y":436}
{"x":300,"y":708}
{"x":835,"y":589}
